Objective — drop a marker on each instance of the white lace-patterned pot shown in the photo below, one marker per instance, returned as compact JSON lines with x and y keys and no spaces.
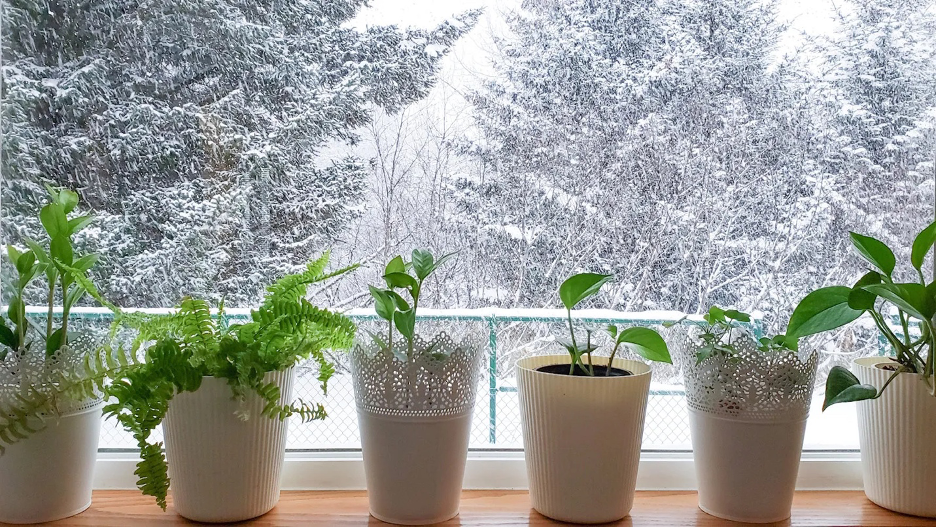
{"x":415,"y":420}
{"x":49,"y":475}
{"x":747,"y":418}
{"x":581,"y":438}
{"x":222,"y":467}
{"x":896,"y":433}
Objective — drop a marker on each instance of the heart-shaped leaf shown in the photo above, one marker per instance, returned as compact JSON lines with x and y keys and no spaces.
{"x":843,"y":386}
{"x":822,"y":310}
{"x":922,"y":244}
{"x":646,"y":342}
{"x":910,"y":297}
{"x":860,"y":298}
{"x":875,"y":252}
{"x":581,"y":286}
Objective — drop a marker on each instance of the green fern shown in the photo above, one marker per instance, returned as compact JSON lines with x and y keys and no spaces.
{"x":191,"y":343}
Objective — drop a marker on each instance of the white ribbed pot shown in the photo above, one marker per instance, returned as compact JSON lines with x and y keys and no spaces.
{"x":415,"y":421}
{"x":896,"y":433}
{"x":581,"y":438}
{"x":747,"y":418}
{"x":223,"y":468}
{"x":49,"y":475}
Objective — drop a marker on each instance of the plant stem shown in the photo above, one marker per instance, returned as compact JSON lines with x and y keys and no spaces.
{"x":574,"y":346}
{"x":611,"y":359}
{"x":591,"y":368}
{"x":51,"y":304}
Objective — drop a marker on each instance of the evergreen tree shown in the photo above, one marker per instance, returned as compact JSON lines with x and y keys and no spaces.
{"x":196,"y":129}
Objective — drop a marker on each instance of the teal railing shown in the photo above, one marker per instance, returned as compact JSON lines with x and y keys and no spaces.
{"x":489,"y":318}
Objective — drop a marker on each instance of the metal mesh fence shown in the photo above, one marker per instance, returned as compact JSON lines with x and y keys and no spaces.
{"x":496,"y":416}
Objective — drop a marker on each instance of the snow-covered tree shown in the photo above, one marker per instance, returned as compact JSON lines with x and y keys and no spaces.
{"x":196,"y":129}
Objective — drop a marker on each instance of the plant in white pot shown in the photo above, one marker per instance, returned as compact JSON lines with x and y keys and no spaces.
{"x":896,"y":395}
{"x":748,"y":403}
{"x":415,"y":396}
{"x":51,"y":376}
{"x":223,"y":394}
{"x":583,"y":421}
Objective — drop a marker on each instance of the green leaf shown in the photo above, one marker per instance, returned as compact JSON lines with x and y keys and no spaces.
{"x":613,"y":331}
{"x":396,"y":265}
{"x":398,"y":300}
{"x":822,"y":310}
{"x":86,"y":262}
{"x":16,"y":312}
{"x":383,"y":303}
{"x":54,"y":342}
{"x":7,"y":337}
{"x":378,"y":340}
{"x":53,"y":220}
{"x":875,"y":252}
{"x":25,"y":262}
{"x":910,"y":297}
{"x":13,"y":254}
{"x":405,"y":322}
{"x":860,"y":298}
{"x":738,"y":316}
{"x":842,"y":386}
{"x":68,"y":199}
{"x":714,"y":315}
{"x":922,"y":244}
{"x":398,"y":279}
{"x":423,"y":263}
{"x":78,"y":223}
{"x":61,"y":249}
{"x":647,"y":343}
{"x":581,"y":286}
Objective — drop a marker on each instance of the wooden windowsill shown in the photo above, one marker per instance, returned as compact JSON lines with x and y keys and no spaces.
{"x":499,"y":508}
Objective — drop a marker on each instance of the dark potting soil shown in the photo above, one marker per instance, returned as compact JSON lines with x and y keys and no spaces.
{"x":600,"y":371}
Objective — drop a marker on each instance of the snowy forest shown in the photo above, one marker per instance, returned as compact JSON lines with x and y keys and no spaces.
{"x":702,"y":151}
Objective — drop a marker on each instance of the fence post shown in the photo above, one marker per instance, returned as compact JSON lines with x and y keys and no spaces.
{"x":492,"y":380}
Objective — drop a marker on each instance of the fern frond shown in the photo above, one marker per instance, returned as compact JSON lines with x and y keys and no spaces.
{"x":292,"y":288}
{"x":197,"y":329}
{"x":153,"y":473}
{"x":23,"y":418}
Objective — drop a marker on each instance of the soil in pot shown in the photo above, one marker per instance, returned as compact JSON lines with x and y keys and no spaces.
{"x":600,"y":370}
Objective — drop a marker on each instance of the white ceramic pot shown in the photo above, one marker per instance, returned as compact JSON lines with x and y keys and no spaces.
{"x":415,"y":421}
{"x":223,"y":468}
{"x":49,"y":475}
{"x":896,"y":433}
{"x":581,"y":437}
{"x":746,"y":470}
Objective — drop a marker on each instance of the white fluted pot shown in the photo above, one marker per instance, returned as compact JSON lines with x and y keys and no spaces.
{"x":581,"y":438}
{"x":415,"y":422}
{"x":747,"y":418}
{"x":896,"y":433}
{"x":49,"y":475}
{"x":223,"y":468}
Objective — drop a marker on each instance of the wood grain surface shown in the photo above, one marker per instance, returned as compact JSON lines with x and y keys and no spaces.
{"x":495,"y":508}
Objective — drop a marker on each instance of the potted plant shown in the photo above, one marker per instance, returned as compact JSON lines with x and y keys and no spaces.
{"x":583,"y":421}
{"x":415,"y":396}
{"x":223,"y":394}
{"x":50,"y":376}
{"x":748,"y":403}
{"x":895,"y":395}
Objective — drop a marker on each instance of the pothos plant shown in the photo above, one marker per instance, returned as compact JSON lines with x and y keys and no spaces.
{"x":190,"y":343}
{"x":393,"y":307}
{"x":644,"y":341}
{"x":49,"y":365}
{"x":915,"y":302}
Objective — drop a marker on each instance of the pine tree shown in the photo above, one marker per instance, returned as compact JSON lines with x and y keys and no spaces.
{"x":196,"y":129}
